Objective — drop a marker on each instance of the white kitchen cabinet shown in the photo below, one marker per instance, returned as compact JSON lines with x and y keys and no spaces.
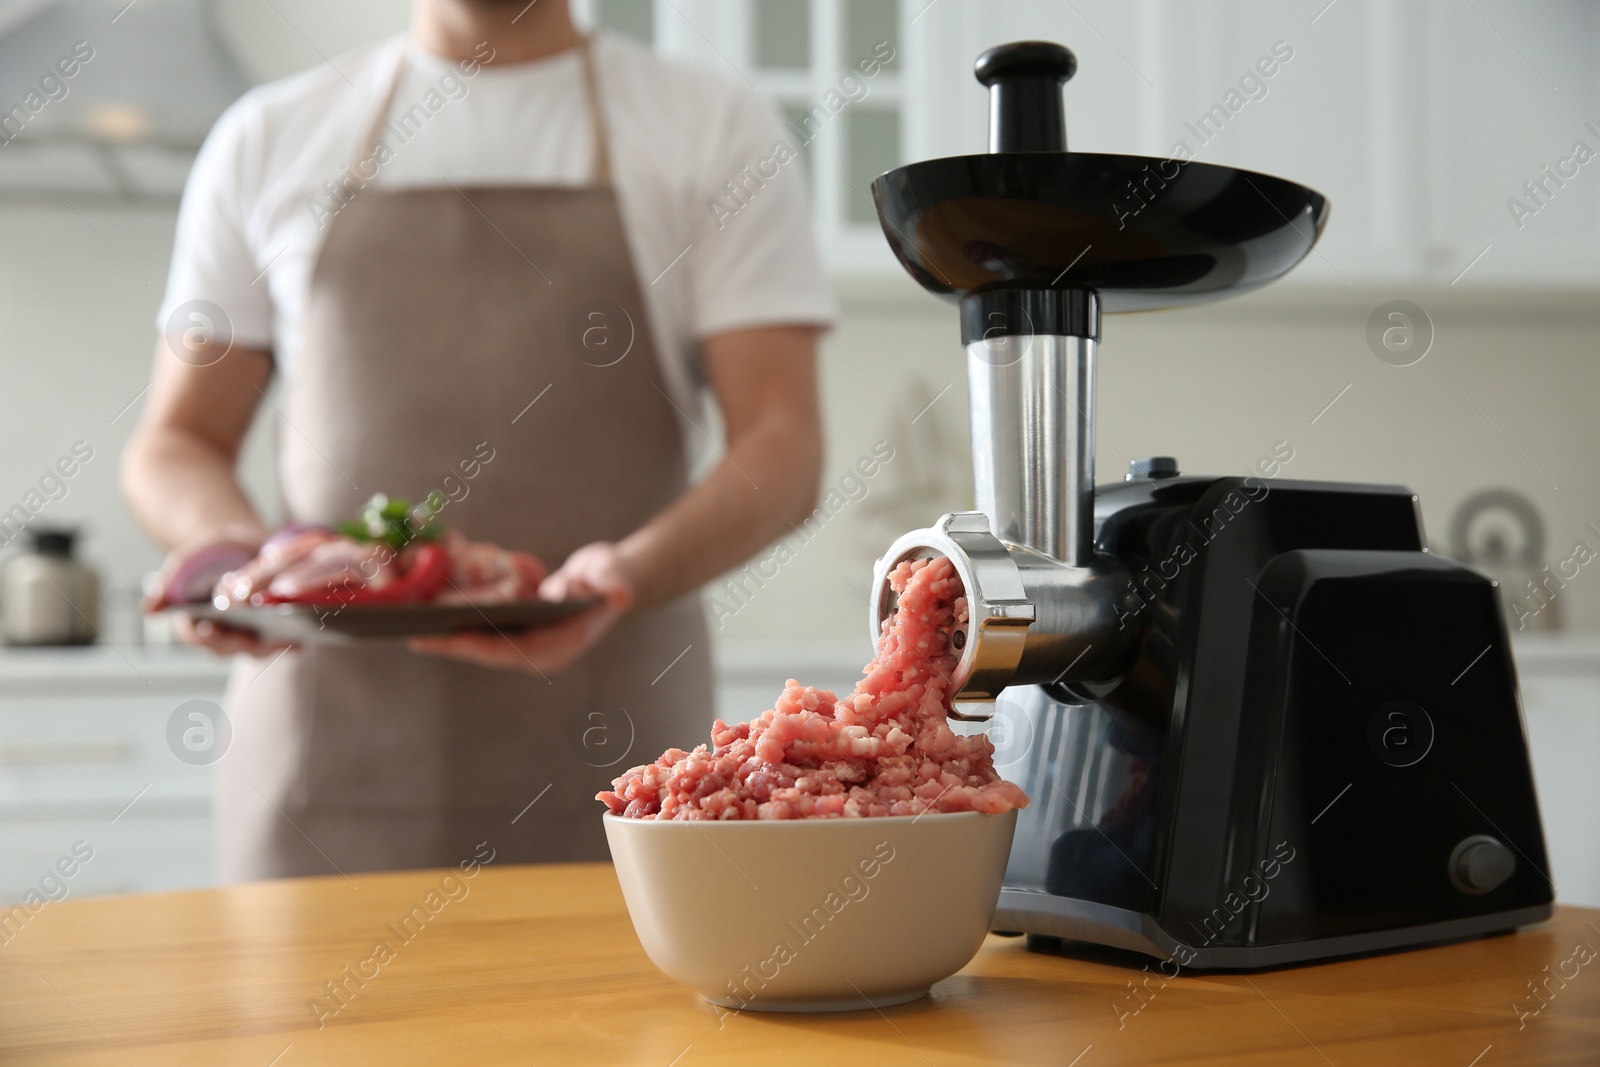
{"x":1560,"y":678}
{"x":838,"y":70}
{"x":84,"y":758}
{"x":1419,"y":120}
{"x":1185,"y":80}
{"x":1511,"y":90}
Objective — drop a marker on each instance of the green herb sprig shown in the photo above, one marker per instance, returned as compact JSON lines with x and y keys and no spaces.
{"x":394,"y":522}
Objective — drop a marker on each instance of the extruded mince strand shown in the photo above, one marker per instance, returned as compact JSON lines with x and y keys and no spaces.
{"x":885,"y":749}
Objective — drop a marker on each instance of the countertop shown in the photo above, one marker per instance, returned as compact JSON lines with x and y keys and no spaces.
{"x":539,"y":965}
{"x":111,"y":667}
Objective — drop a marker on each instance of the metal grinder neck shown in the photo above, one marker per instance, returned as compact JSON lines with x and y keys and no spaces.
{"x":1031,"y":386}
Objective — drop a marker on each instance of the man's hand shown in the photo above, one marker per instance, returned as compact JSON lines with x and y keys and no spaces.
{"x":223,"y":640}
{"x":595,"y":570}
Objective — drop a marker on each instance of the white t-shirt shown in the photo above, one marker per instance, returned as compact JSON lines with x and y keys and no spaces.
{"x":256,"y":206}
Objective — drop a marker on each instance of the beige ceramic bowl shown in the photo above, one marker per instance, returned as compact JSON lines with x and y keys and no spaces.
{"x":812,"y":914}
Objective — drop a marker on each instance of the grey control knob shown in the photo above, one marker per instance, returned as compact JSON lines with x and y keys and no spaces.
{"x":1481,"y":863}
{"x":1151,"y":467}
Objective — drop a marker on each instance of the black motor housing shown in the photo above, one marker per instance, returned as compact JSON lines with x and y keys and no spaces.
{"x":1320,"y":750}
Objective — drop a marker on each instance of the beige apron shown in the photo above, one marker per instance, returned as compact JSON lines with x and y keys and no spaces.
{"x":436,"y":317}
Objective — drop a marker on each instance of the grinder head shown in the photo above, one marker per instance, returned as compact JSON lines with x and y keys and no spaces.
{"x":1034,"y":241}
{"x":1142,"y":232}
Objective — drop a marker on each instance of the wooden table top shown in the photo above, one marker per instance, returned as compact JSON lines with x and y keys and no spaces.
{"x":540,"y":965}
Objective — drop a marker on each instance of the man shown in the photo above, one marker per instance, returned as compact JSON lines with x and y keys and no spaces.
{"x":483,"y":260}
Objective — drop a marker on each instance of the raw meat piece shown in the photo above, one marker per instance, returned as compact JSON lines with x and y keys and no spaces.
{"x":886,"y":749}
{"x":276,"y":556}
{"x":482,"y":573}
{"x":337,"y":564}
{"x":320,"y":566}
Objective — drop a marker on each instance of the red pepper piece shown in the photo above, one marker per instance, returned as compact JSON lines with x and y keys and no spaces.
{"x":429,"y":570}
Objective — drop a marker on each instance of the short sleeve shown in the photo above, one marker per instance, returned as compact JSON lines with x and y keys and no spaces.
{"x":755,"y":260}
{"x":212,"y":258}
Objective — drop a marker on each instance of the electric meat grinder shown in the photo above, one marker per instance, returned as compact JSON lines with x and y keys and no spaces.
{"x":1259,"y":721}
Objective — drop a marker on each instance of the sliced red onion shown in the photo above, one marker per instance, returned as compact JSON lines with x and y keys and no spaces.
{"x":194,"y":580}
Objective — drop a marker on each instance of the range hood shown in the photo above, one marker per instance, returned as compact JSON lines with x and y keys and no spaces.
{"x":125,"y":126}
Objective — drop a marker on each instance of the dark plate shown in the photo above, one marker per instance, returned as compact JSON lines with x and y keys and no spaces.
{"x":307,"y":623}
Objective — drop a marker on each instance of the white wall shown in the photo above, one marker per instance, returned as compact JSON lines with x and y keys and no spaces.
{"x":1218,"y":386}
{"x":78,"y":298}
{"x":273,"y":39}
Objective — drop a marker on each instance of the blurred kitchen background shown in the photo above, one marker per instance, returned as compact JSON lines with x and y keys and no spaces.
{"x":1455,"y":139}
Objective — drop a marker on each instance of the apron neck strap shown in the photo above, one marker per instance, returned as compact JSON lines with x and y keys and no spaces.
{"x":597,"y":115}
{"x":591,"y":87}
